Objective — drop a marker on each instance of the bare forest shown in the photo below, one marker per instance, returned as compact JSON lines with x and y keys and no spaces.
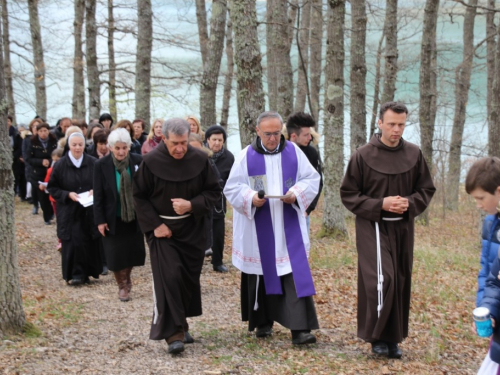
{"x":226,"y":61}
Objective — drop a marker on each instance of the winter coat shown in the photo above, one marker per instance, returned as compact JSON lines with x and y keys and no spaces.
{"x":489,"y":251}
{"x":224,"y":164}
{"x":64,"y":179}
{"x":17,"y":150}
{"x":57,"y":132}
{"x":37,"y":154}
{"x":25,"y":149}
{"x":491,"y":300}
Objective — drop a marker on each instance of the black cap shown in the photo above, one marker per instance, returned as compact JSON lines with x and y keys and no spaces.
{"x":216,"y":129}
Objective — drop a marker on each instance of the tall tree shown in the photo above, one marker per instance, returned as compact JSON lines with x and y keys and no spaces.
{"x":7,"y":65}
{"x":316,"y":46}
{"x":358,"y":74}
{"x":94,"y":84}
{"x":376,"y":87}
{"x":279,"y":66}
{"x":39,"y":65}
{"x":304,"y":17}
{"x":250,"y":94}
{"x":112,"y":63}
{"x":201,"y":18}
{"x":428,"y":89}
{"x":334,"y":212}
{"x":78,"y":102}
{"x":462,"y":85}
{"x":208,"y":87}
{"x":143,"y":60}
{"x":228,"y":81}
{"x":12,"y":318}
{"x":427,"y":81}
{"x":391,"y":50}
{"x":493,"y":79}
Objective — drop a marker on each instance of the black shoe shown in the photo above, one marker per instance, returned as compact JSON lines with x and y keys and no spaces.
{"x":264,"y":331}
{"x":380,"y":348}
{"x":188,"y":339}
{"x":221,"y":268}
{"x":48,"y":222}
{"x":394,"y":351}
{"x":303,"y":338}
{"x":105,"y":270}
{"x":76,"y":281}
{"x":29,"y":200}
{"x":176,"y":347}
{"x":35,"y":211}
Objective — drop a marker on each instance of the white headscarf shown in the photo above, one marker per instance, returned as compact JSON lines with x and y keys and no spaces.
{"x":76,"y":162}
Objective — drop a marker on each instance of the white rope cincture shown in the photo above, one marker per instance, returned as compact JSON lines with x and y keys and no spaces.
{"x":256,"y":304}
{"x":174,"y":217}
{"x":380,"y":275}
{"x":155,"y":308}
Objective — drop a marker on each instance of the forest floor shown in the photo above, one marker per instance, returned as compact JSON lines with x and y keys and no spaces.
{"x":87,"y":330}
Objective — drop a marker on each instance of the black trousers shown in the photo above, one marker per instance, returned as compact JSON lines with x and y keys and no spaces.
{"x":218,"y":228}
{"x":19,"y":183}
{"x":43,"y":198}
{"x":34,"y":192}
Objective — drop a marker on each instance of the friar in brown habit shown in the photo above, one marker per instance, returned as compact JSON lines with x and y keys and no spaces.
{"x":174,"y":189}
{"x":386,"y":185}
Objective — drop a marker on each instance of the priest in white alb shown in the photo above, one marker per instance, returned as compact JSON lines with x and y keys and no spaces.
{"x":270,"y":186}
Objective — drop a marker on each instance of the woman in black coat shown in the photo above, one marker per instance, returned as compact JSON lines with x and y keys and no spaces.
{"x":73,"y":175}
{"x":39,"y":156}
{"x":114,"y":211}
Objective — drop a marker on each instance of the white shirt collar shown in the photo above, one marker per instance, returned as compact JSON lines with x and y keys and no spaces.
{"x":76,"y":162}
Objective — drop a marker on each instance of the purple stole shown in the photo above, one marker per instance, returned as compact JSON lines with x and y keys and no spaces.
{"x":301,"y":272}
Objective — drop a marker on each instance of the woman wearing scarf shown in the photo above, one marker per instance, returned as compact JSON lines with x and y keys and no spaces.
{"x":114,"y":210}
{"x":39,"y":157}
{"x":73,"y":175}
{"x":215,"y":137}
{"x":154,"y":137}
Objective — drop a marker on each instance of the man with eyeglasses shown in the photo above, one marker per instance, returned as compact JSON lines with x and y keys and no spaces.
{"x":270,"y":187}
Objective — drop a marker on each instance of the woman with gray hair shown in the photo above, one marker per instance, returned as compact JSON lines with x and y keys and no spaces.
{"x":70,"y":180}
{"x":114,"y":212}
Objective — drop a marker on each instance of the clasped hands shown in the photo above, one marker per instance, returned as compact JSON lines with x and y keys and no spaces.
{"x":396,"y":204}
{"x":289,"y":198}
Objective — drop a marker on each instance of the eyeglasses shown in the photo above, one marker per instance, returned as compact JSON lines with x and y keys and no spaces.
{"x":271,"y":135}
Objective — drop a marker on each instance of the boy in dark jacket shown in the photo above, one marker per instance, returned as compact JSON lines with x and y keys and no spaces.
{"x":483,"y":184}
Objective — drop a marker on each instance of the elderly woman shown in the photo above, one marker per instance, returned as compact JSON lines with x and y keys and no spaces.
{"x":39,"y":156}
{"x":73,"y":175}
{"x":154,"y":137}
{"x":114,"y":210}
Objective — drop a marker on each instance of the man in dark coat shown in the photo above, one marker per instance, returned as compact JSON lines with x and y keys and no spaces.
{"x":60,"y":129}
{"x":299,"y":126}
{"x":174,"y":189}
{"x":16,"y":142}
{"x":386,"y":185}
{"x":215,"y":137}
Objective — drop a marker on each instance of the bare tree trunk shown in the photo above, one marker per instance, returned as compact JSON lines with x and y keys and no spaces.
{"x":428,"y":90}
{"x":12,"y":318}
{"x":78,"y":103}
{"x":279,"y":66}
{"x":112,"y":64}
{"x":334,"y":212}
{"x":292,"y":15}
{"x":428,"y":79}
{"x":228,"y":82}
{"x":39,"y":65}
{"x":6,"y":63}
{"x":201,"y":18}
{"x":94,"y":85}
{"x":143,"y":60}
{"x":250,"y":94}
{"x":462,"y":85}
{"x":304,"y":13}
{"x":208,"y":87}
{"x":492,"y":74}
{"x":316,"y":44}
{"x":391,"y":50}
{"x":376,"y":87}
{"x":358,"y":74}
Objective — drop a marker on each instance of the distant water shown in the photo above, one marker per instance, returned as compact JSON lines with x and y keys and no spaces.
{"x":176,"y":20}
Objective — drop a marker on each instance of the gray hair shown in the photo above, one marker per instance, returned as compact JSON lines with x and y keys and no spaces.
{"x":268,"y":114}
{"x":119,"y":135}
{"x":176,"y":126}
